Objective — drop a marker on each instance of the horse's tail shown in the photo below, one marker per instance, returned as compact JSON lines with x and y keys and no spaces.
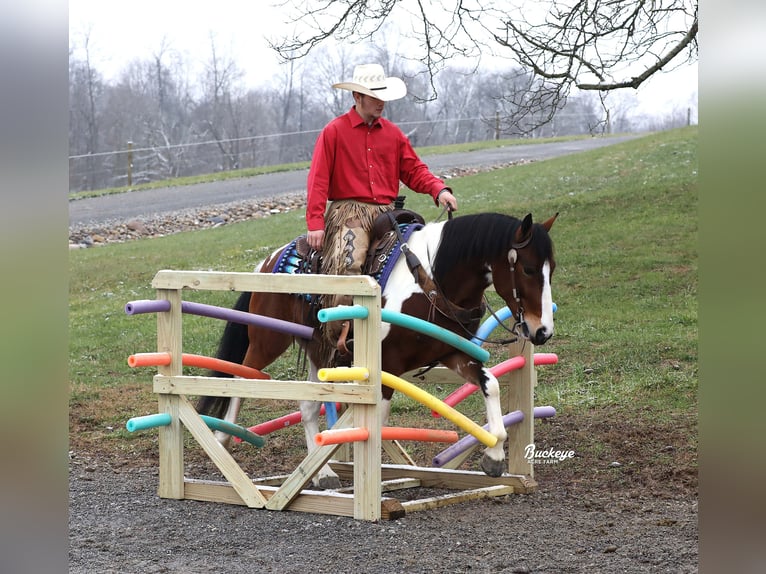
{"x":232,"y":348}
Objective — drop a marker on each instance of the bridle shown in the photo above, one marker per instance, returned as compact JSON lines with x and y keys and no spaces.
{"x":513,"y":256}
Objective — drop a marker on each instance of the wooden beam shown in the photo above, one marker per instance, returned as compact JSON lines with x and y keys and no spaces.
{"x":454,"y":498}
{"x":521,"y":396}
{"x":314,"y":501}
{"x":171,"y":444}
{"x":265,"y":282}
{"x":219,"y":455}
{"x":445,"y":478}
{"x":367,"y":457}
{"x":306,"y":470}
{"x":265,"y":389}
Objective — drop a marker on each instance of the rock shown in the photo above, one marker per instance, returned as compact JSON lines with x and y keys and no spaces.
{"x":137,"y":226}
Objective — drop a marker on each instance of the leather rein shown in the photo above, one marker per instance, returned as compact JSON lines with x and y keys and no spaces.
{"x":447,"y":308}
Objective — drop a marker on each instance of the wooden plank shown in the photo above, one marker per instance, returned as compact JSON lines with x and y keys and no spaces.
{"x":389,"y":485}
{"x":306,"y":470}
{"x":445,"y":478}
{"x":461,"y":458}
{"x":171,"y":445}
{"x":454,"y":498}
{"x":219,"y":455}
{"x":265,"y":282}
{"x":171,"y":451}
{"x":313,"y":501}
{"x":397,"y":453}
{"x":520,"y":396}
{"x":265,"y":389}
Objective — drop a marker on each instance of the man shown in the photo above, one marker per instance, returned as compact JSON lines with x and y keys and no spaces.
{"x":359,"y":159}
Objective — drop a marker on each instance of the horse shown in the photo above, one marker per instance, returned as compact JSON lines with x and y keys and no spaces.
{"x":458,"y":259}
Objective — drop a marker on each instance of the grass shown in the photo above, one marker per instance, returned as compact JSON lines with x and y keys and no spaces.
{"x":625,"y":285}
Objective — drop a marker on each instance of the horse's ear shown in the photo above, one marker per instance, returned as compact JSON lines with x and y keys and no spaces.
{"x":524,"y":229}
{"x":549,"y":222}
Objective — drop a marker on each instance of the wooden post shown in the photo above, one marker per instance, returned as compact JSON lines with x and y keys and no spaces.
{"x":520,"y":396}
{"x":130,"y":164}
{"x":367,"y":454}
{"x":170,"y":437}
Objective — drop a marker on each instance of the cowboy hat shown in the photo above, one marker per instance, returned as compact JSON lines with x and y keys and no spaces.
{"x":371,"y":80}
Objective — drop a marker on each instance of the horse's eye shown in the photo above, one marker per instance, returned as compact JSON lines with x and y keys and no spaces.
{"x":529,"y":271}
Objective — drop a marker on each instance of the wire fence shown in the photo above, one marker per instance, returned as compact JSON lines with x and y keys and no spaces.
{"x":140,"y":163}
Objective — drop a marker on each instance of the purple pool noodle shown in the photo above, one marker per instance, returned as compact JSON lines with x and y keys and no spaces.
{"x":468,"y":441}
{"x":161,"y":305}
{"x":245,"y":318}
{"x":147,"y":306}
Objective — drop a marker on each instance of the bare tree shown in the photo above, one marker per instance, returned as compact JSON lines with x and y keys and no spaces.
{"x":86,"y":89}
{"x":596,"y":45}
{"x":220,"y":112}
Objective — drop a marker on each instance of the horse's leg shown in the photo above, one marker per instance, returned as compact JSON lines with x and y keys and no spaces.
{"x":493,"y":461}
{"x":325,"y":479}
{"x":231,"y":414}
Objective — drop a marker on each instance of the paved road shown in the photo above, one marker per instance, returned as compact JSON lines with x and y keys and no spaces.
{"x":150,"y":202}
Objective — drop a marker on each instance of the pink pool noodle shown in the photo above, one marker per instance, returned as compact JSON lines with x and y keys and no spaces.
{"x":498,"y":370}
{"x":282,"y":422}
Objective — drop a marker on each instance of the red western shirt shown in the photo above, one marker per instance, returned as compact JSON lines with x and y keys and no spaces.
{"x":355,"y":161}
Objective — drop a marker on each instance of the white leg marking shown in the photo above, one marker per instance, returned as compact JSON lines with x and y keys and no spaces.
{"x":495,"y":417}
{"x":326,"y":477}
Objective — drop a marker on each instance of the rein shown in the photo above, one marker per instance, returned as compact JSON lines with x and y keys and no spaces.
{"x":433,"y":293}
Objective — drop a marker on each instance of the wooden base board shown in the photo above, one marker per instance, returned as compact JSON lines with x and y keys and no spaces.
{"x":466,"y":486}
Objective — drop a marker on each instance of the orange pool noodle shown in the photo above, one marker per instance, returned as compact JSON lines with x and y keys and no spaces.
{"x":338,"y":436}
{"x":201,"y":361}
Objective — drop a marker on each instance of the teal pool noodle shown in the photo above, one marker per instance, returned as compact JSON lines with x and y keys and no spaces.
{"x":148,"y":422}
{"x":163,"y":419}
{"x":409,"y":322}
{"x":233,"y":430}
{"x":421,"y":326}
{"x":343,"y":313}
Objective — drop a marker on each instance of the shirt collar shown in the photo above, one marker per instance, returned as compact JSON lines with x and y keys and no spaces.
{"x":357,"y":120}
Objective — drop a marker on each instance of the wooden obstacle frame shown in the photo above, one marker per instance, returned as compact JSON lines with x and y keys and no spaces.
{"x":370,"y":478}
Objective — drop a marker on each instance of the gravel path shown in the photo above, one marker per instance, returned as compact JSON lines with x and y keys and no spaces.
{"x":119,"y":525}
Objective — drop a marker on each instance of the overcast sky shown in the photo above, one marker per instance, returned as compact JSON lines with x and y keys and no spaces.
{"x":120,"y":32}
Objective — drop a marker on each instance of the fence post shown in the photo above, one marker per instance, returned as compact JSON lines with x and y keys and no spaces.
{"x":130,"y":163}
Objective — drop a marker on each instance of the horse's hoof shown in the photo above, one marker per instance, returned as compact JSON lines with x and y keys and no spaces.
{"x":328,"y":483}
{"x":492,"y":467}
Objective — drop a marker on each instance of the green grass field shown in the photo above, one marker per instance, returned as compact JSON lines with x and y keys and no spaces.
{"x":625,"y":286}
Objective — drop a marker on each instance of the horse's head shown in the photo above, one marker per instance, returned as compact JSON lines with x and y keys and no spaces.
{"x":522,"y":277}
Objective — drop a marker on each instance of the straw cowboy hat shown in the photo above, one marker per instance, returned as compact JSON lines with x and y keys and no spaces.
{"x":371,"y":80}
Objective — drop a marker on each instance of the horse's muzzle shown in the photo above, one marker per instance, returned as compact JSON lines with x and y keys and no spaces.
{"x":540,"y":336}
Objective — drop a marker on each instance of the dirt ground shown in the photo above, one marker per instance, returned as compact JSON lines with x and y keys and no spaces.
{"x":627,"y":502}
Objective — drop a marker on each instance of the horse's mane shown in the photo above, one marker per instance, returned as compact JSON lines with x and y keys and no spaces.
{"x":481,"y":236}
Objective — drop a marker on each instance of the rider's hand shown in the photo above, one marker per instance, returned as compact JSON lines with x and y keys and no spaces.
{"x":315,"y":239}
{"x":446,"y":199}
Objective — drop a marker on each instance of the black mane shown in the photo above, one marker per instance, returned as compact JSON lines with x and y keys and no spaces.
{"x":482,"y":236}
